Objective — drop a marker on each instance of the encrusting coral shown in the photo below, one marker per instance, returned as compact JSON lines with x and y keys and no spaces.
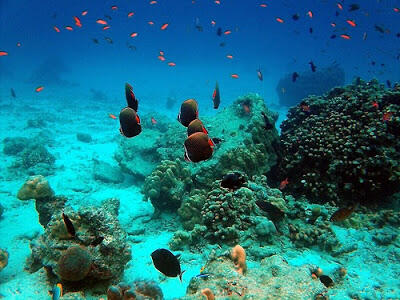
{"x":344,"y":145}
{"x":46,"y":203}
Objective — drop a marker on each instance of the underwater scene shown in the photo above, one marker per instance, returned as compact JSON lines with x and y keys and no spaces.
{"x":199,"y":149}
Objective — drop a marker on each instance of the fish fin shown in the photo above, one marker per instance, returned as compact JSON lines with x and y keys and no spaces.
{"x":180,"y":275}
{"x":211,"y":143}
{"x":178,"y":256}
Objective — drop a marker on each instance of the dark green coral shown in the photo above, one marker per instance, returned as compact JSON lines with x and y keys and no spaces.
{"x":343,"y":148}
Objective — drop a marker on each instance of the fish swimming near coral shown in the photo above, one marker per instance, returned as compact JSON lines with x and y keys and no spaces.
{"x":189,"y":111}
{"x":57,"y":292}
{"x":130,"y":97}
{"x":129,"y":123}
{"x":326,"y":280}
{"x":68,"y":224}
{"x":343,"y":213}
{"x":167,"y":263}
{"x":196,"y":126}
{"x":233,"y":181}
{"x":274,"y":213}
{"x":198,"y":147}
{"x":267,"y":123}
{"x":216,"y":96}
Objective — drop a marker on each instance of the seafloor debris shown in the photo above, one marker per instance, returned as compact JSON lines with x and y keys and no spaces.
{"x":346,"y":146}
{"x":3,"y":259}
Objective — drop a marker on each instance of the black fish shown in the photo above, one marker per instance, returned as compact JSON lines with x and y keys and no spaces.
{"x":313,"y":67}
{"x":379,"y":28}
{"x":333,"y":36}
{"x":310,"y":30}
{"x":294,"y":76}
{"x":398,"y":34}
{"x":199,"y":28}
{"x":167,"y":263}
{"x":216,"y":96}
{"x":96,"y":41}
{"x":274,"y":213}
{"x":326,"y":280}
{"x":337,"y":14}
{"x":108,"y":39}
{"x":13,"y":93}
{"x":108,"y":17}
{"x":354,"y":6}
{"x":216,"y":140}
{"x":389,"y":84}
{"x":267,"y":124}
{"x":130,"y":97}
{"x":259,"y":74}
{"x":233,"y":181}
{"x":68,"y":224}
{"x":97,"y":241}
{"x":219,"y":31}
{"x":129,"y":123}
{"x":296,"y":17}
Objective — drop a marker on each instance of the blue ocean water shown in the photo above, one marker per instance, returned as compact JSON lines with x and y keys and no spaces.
{"x":83,"y":72}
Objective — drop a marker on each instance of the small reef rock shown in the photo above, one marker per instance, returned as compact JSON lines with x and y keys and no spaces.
{"x":309,"y":83}
{"x":272,"y":278}
{"x":31,"y":155}
{"x":46,"y":203}
{"x":106,"y":173}
{"x":344,"y":145}
{"x":95,"y":253}
{"x":254,"y":210}
{"x":139,"y":289}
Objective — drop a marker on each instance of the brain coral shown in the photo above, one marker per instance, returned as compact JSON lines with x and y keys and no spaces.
{"x":74,"y":264}
{"x":344,"y":145}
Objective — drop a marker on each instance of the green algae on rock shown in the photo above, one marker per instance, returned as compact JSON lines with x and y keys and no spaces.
{"x":346,"y":146}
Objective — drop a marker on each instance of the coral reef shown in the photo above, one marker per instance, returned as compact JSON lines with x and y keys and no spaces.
{"x":309,"y":83}
{"x":3,"y":259}
{"x":46,"y":203}
{"x":345,"y":146}
{"x":225,"y":217}
{"x":14,"y":145}
{"x":96,"y":254}
{"x":252,"y":149}
{"x":166,"y":185}
{"x":139,"y":289}
{"x":272,"y":278}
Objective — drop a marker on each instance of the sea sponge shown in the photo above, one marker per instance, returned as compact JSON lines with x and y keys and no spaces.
{"x":139,"y":289}
{"x":36,"y":187}
{"x":74,"y":264}
{"x":238,"y":255}
{"x":3,"y":259}
{"x":208,"y":293}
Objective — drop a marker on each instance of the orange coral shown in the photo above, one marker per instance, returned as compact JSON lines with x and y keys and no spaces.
{"x":208,"y":293}
{"x":238,"y":255}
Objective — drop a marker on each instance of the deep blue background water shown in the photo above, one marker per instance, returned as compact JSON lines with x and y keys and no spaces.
{"x":257,"y":40}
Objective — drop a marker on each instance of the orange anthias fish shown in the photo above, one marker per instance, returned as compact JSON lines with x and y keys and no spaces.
{"x":283,"y":184}
{"x":56,"y":29}
{"x":130,"y":14}
{"x":343,"y":213}
{"x":101,"y":21}
{"x":3,"y":53}
{"x":112,"y":116}
{"x":351,"y":23}
{"x":171,"y":64}
{"x":133,"y":34}
{"x":280,"y":20}
{"x":39,"y":89}
{"x":236,"y":76}
{"x":345,"y":36}
{"x":77,"y":21}
{"x":153,"y":121}
{"x":164,"y":26}
{"x":84,"y":13}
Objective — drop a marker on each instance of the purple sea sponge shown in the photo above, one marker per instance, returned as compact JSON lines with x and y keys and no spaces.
{"x":74,"y":264}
